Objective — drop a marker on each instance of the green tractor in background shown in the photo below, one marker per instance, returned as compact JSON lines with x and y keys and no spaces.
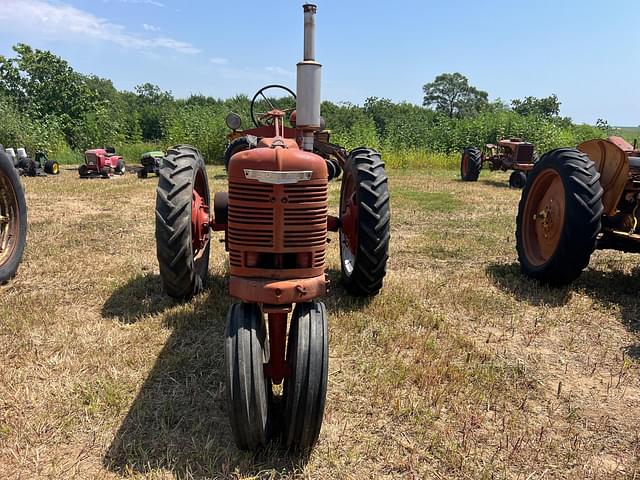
{"x":150,"y":163}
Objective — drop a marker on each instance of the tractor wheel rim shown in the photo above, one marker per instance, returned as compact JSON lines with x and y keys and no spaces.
{"x":9,"y":220}
{"x":543,"y":217}
{"x":199,"y":216}
{"x":465,"y":164}
{"x":56,"y":169}
{"x":349,"y":223}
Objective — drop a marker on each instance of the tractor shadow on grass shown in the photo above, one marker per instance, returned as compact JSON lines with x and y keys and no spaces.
{"x":178,"y":420}
{"x":141,"y":296}
{"x":612,"y":288}
{"x":495,"y":183}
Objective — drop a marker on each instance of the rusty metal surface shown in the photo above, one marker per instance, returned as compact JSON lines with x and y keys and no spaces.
{"x":277,"y":292}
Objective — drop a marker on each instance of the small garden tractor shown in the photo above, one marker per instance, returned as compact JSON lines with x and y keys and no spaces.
{"x":512,"y":154}
{"x":275,"y":221}
{"x":577,"y":200}
{"x":13,"y":218}
{"x":27,"y":166}
{"x":150,"y":163}
{"x":102,"y":162}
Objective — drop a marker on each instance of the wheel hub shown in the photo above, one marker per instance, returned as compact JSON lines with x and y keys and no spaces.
{"x":544,"y":217}
{"x":199,"y":221}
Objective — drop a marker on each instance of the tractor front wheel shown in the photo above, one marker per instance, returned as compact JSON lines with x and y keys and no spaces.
{"x":248,"y":390}
{"x":13,"y":219}
{"x":517,"y":179}
{"x":365,"y":222}
{"x":83,"y":171}
{"x":182,"y":222}
{"x":51,"y":167}
{"x":305,"y":390}
{"x":470,"y":164}
{"x":559,"y":217}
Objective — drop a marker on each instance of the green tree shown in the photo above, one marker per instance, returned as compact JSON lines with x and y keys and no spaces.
{"x":452,"y":95}
{"x":546,"y":107}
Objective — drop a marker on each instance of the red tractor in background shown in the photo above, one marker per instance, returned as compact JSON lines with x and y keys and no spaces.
{"x":275,"y":218}
{"x":102,"y":162}
{"x":511,"y":154}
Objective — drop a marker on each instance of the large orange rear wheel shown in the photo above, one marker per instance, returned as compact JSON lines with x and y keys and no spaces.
{"x":470,"y":164}
{"x":559,"y":217}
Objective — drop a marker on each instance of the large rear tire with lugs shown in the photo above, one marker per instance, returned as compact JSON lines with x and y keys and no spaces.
{"x":559,"y":217}
{"x":182,"y":222}
{"x":237,"y":145}
{"x":13,"y":219}
{"x":470,"y":164}
{"x":365,"y":222}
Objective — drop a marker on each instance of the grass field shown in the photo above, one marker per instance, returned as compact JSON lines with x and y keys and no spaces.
{"x":460,"y":368}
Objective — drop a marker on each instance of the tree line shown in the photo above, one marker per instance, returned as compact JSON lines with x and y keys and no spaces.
{"x":47,"y":106}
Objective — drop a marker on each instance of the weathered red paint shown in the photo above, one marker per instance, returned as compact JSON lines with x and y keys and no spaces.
{"x":199,"y":221}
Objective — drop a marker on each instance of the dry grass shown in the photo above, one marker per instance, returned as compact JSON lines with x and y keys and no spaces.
{"x":461,"y":368}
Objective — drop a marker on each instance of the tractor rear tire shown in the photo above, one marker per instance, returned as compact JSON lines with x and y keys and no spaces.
{"x":142,"y":173}
{"x":51,"y":167}
{"x":13,"y":225}
{"x":559,"y":217}
{"x":517,"y":179}
{"x":305,"y":390}
{"x":248,"y":389}
{"x":121,"y":167}
{"x":238,"y":145}
{"x":365,"y":222}
{"x":183,"y":268}
{"x":470,"y":164}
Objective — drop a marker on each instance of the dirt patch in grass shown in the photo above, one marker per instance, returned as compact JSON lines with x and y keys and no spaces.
{"x":460,"y":368}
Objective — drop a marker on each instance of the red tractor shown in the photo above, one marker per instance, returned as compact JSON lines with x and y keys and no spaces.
{"x":275,"y":218}
{"x":512,"y":154}
{"x":102,"y":162}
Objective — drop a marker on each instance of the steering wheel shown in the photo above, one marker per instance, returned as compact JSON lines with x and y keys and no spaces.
{"x":262,"y":118}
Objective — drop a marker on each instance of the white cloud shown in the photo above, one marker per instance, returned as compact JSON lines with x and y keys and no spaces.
{"x":219,"y":60}
{"x":140,"y":2}
{"x":150,"y":28}
{"x":60,"y":20}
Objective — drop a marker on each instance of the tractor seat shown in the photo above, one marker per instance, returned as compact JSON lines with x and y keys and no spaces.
{"x":634,"y":162}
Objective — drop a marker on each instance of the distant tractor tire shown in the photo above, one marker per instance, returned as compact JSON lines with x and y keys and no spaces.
{"x":142,"y":173}
{"x":365,"y":222}
{"x":559,"y":217}
{"x":121,"y":167}
{"x":83,"y":171}
{"x":13,"y":219}
{"x":52,"y":167}
{"x":305,"y":390}
{"x":182,"y":222}
{"x":248,"y":390}
{"x":470,"y":164}
{"x":517,"y":179}
{"x":238,"y":145}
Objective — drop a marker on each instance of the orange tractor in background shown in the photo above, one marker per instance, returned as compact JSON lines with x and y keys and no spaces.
{"x":577,"y":200}
{"x":275,"y":218}
{"x":510,"y":154}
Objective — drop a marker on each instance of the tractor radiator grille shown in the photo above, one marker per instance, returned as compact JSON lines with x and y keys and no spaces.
{"x":275,"y":227}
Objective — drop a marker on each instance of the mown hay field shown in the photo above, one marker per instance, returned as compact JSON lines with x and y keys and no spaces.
{"x":459,"y":369}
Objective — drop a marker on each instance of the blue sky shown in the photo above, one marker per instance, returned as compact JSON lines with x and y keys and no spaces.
{"x":585,"y":51}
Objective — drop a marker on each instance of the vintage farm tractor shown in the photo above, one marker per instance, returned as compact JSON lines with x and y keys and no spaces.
{"x":510,"y":154}
{"x":41,"y":166}
{"x":102,"y":162}
{"x":13,"y":218}
{"x":275,"y":221}
{"x":577,"y":200}
{"x":150,"y":162}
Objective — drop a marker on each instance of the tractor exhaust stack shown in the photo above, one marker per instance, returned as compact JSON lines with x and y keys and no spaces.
{"x":308,"y":82}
